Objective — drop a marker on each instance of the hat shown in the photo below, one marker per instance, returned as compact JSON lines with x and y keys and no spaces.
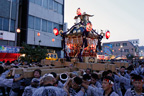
{"x":63,"y":77}
{"x":45,"y":75}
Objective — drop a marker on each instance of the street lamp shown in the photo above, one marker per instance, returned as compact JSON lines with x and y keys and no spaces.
{"x":141,"y":53}
{"x":18,"y":36}
{"x":121,"y":50}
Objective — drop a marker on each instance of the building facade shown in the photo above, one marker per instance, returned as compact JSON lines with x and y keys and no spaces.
{"x":119,"y":49}
{"x":37,"y":18}
{"x":8,"y":22}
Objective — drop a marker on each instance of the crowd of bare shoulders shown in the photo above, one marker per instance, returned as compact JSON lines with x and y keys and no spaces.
{"x":83,"y":82}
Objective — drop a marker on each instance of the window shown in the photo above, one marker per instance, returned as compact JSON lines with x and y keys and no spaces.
{"x":126,"y":50}
{"x":32,"y":1}
{"x":124,"y":44}
{"x":45,"y":3}
{"x":37,"y":23}
{"x":44,"y":25}
{"x":117,"y":44}
{"x":60,"y":8}
{"x":51,"y":4}
{"x":0,"y":23}
{"x":60,"y":27}
{"x":13,"y":0}
{"x":5,"y":24}
{"x":31,"y":22}
{"x":55,"y":6}
{"x":50,"y":27}
{"x":11,"y":43}
{"x":3,"y":42}
{"x":56,"y":26}
{"x":12,"y":27}
{"x":113,"y":45}
{"x":132,"y":49}
{"x":39,"y":2}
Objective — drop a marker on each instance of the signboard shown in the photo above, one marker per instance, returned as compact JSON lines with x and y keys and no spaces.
{"x":1,"y":35}
{"x":108,"y":50}
{"x":90,"y":59}
{"x":52,"y":56}
{"x":9,"y":49}
{"x":101,"y":57}
{"x":7,"y":35}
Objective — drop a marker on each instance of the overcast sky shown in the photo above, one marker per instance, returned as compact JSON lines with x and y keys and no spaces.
{"x":124,"y":18}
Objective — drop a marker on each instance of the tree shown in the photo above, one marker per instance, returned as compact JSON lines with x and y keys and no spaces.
{"x":33,"y":54}
{"x":129,"y":56}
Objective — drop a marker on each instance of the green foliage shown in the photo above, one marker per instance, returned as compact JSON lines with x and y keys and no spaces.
{"x":33,"y":54}
{"x":129,"y":56}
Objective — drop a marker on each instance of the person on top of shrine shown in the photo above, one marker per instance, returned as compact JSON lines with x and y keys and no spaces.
{"x":137,"y":90}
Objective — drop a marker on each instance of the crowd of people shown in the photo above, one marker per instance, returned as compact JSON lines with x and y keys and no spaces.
{"x":123,"y":82}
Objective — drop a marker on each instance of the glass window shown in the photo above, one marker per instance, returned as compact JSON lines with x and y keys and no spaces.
{"x":12,"y":27}
{"x":50,"y":29}
{"x":55,"y":6}
{"x":44,"y":25}
{"x":5,"y":24}
{"x":0,"y":23}
{"x":32,"y":1}
{"x":31,"y":22}
{"x":124,"y":44}
{"x":39,"y":2}
{"x":3,"y":42}
{"x":56,"y":26}
{"x":126,"y":50}
{"x":51,"y":4}
{"x":11,"y":43}
{"x":45,"y":3}
{"x":117,"y":44}
{"x":60,"y":27}
{"x":60,"y":8}
{"x":13,"y":0}
{"x":37,"y":23}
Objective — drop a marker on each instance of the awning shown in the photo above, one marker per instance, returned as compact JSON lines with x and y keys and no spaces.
{"x":9,"y":56}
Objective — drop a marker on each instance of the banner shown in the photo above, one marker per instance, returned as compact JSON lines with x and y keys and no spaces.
{"x":108,"y":49}
{"x":9,"y":49}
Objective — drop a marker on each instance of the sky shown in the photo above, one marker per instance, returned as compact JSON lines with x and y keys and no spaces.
{"x":123,"y":18}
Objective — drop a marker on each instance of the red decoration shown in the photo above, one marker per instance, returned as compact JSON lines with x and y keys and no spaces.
{"x":38,"y":34}
{"x":107,"y":35}
{"x":88,"y":27}
{"x":56,"y":32}
{"x":78,"y":11}
{"x":70,"y":46}
{"x":53,"y":40}
{"x":93,"y":46}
